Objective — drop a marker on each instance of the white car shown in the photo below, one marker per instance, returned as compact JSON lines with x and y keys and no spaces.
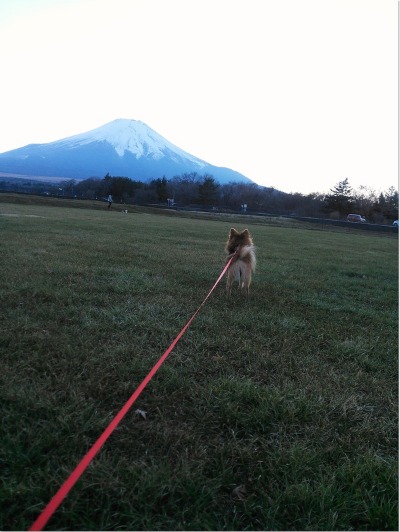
{"x":395,"y":223}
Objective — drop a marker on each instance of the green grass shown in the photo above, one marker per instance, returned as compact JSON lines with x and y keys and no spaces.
{"x":291,"y":394}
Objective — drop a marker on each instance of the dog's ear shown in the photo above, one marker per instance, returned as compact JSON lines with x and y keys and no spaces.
{"x":233,"y":232}
{"x":246,"y":233}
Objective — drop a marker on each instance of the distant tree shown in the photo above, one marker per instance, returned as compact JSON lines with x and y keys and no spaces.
{"x":231,"y":196}
{"x":122,"y":188}
{"x":208,"y":190}
{"x":274,"y":201}
{"x":309,"y":205}
{"x":145,"y":195}
{"x":387,"y":205}
{"x":364,"y":202}
{"x":160,"y":187}
{"x":392,"y":201}
{"x":89,"y":188}
{"x":185,"y":187}
{"x":341,"y":199}
{"x":68,"y":187}
{"x":250,"y":195}
{"x":377,"y":208}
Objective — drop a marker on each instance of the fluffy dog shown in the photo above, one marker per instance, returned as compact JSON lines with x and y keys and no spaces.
{"x":244,"y":261}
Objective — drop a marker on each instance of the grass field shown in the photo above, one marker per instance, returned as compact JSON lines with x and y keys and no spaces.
{"x":273,"y":413}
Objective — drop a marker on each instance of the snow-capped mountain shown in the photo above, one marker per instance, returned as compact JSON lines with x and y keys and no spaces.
{"x":122,"y":147}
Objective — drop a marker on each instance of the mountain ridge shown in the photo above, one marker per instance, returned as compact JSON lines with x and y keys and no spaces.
{"x":121,"y":147}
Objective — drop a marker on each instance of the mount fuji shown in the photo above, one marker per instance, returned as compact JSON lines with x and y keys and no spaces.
{"x":127,"y":148}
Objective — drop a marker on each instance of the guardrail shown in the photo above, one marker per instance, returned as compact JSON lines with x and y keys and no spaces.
{"x":343,"y":223}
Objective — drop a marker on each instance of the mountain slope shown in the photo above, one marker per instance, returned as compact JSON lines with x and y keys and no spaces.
{"x":121,"y":148}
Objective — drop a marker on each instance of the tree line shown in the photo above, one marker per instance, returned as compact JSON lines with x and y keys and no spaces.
{"x":195,"y":190}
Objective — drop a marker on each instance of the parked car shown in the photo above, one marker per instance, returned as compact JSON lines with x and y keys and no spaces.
{"x":395,"y":223}
{"x":355,"y":218}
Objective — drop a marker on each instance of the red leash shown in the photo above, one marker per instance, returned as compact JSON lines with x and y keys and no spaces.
{"x":83,"y":464}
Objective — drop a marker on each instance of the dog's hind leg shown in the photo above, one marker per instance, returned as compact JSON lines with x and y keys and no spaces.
{"x":247,"y":282}
{"x":229,"y":282}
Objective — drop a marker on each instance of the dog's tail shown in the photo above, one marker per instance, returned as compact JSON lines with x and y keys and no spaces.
{"x":248,"y":252}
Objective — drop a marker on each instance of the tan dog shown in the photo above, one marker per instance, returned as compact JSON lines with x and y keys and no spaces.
{"x":244,"y":262}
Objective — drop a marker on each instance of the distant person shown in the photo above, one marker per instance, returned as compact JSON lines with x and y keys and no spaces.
{"x":109,"y":199}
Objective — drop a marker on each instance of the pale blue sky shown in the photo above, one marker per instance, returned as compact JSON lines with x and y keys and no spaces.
{"x":294,"y":94}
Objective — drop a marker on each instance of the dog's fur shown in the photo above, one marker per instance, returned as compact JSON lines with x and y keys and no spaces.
{"x":243,"y":263}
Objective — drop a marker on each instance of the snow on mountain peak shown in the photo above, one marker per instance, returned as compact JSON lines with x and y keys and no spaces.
{"x":131,"y":136}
